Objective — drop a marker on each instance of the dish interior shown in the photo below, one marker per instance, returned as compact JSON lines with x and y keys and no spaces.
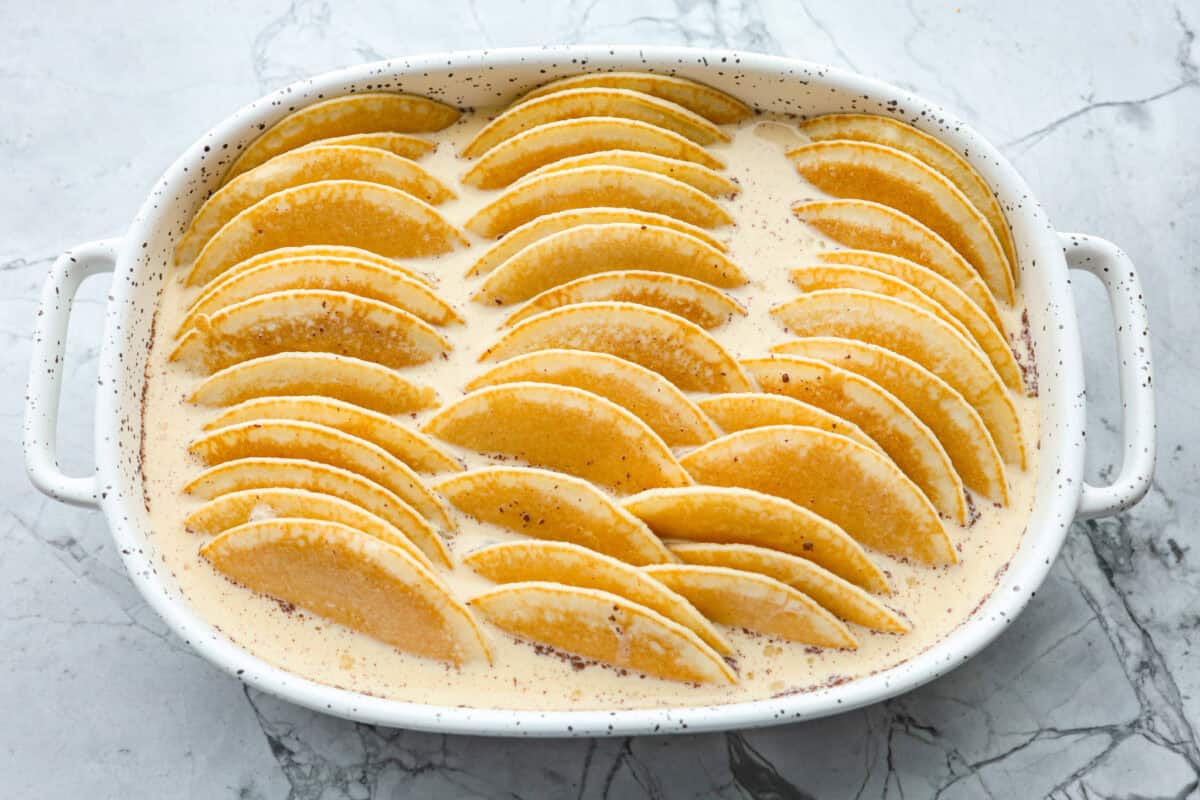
{"x":779,"y":88}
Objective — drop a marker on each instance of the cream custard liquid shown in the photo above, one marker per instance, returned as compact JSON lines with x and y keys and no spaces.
{"x":766,"y":241}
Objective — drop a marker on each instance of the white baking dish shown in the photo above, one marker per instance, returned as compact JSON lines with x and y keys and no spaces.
{"x":139,"y":262}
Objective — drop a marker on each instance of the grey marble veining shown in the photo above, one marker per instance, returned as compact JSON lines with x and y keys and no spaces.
{"x":1094,"y":692}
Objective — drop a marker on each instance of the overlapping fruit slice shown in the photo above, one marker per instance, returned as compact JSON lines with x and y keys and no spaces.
{"x":258,"y":473}
{"x":543,"y":424}
{"x":590,"y":249}
{"x":648,"y":395}
{"x":549,"y":224}
{"x":354,"y":579}
{"x":298,"y":167}
{"x":570,"y":564}
{"x":364,"y":112}
{"x":710,"y":103}
{"x":698,"y":176}
{"x":864,"y":493}
{"x":842,"y":598}
{"x":544,"y":144}
{"x":755,"y":602}
{"x":371,"y":216}
{"x":866,"y":171}
{"x":593,"y":102}
{"x":553,"y":506}
{"x":939,"y":156}
{"x":411,"y":447}
{"x":816,"y":277}
{"x":881,"y":415}
{"x":863,"y":225}
{"x":587,"y":187}
{"x":400,"y":144}
{"x":920,"y":336}
{"x":605,"y":627}
{"x":316,"y":254}
{"x":733,"y":515}
{"x":352,"y":380}
{"x":951,"y":418}
{"x":309,"y":320}
{"x":351,"y":275}
{"x":237,"y":508}
{"x":738,"y":411}
{"x":279,"y":438}
{"x":682,"y":352}
{"x":689,"y":298}
{"x":953,"y":300}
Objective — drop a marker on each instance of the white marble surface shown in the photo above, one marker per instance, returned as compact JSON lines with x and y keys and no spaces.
{"x":1094,"y":692}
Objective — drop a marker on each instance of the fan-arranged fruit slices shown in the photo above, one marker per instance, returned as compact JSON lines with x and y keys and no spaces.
{"x":618,"y":395}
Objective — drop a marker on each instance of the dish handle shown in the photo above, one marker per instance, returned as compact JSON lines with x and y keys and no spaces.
{"x":1135,"y":372}
{"x":45,"y":371}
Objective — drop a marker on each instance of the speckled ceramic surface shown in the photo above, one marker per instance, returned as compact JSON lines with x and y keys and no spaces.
{"x":474,"y":78}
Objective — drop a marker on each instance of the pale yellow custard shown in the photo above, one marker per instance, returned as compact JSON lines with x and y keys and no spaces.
{"x":766,"y":241}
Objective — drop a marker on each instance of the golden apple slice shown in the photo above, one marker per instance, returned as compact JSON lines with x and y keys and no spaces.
{"x":689,"y":298}
{"x":979,"y":325}
{"x":279,"y":438}
{"x":572,"y":565}
{"x":536,"y":147}
{"x":881,"y":415}
{"x":588,"y":187}
{"x":353,"y":380}
{"x":589,"y":249}
{"x":370,"y":216}
{"x":738,"y":411}
{"x":920,"y":336}
{"x":353,"y":579}
{"x":237,"y":508}
{"x":865,"y":171}
{"x":562,"y":428}
{"x":755,"y":602}
{"x":854,"y":487}
{"x":308,"y":320}
{"x":863,"y":225}
{"x":603,"y":627}
{"x":704,"y":178}
{"x":555,"y":507}
{"x":298,"y":167}
{"x":939,"y":156}
{"x":648,"y":395}
{"x":258,"y":474}
{"x":315,"y":254}
{"x":683,"y":353}
{"x":400,"y":144}
{"x":840,"y":597}
{"x":541,"y":227}
{"x":712,"y":104}
{"x":731,"y":515}
{"x":349,"y":275}
{"x":593,"y":102}
{"x":364,"y":112}
{"x":956,"y":424}
{"x":411,"y":447}
{"x":814,"y":278}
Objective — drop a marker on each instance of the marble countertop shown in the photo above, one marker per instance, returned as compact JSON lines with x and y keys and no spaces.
{"x":1094,"y":692}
